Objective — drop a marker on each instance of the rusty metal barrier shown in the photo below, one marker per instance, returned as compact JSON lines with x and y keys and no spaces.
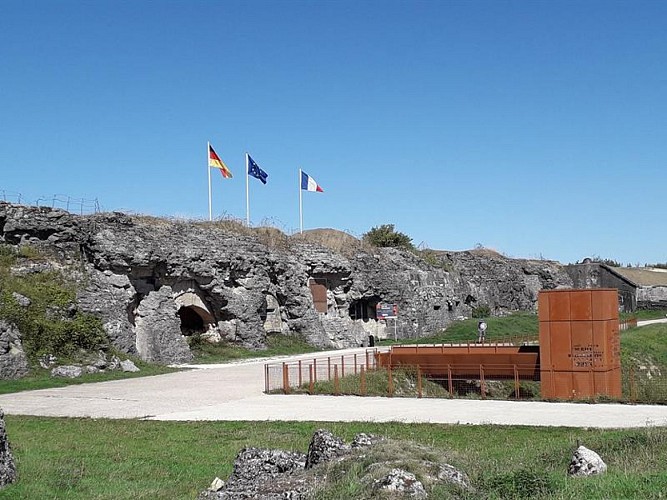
{"x":305,"y":373}
{"x":351,"y":374}
{"x":625,"y":324}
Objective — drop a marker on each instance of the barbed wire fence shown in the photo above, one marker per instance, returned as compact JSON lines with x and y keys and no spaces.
{"x":71,"y":204}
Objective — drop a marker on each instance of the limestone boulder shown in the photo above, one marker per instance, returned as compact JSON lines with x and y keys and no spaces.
{"x":158,"y":333}
{"x":586,"y":462}
{"x":13,"y":360}
{"x":402,"y":482}
{"x":323,"y":447}
{"x":8,"y":472}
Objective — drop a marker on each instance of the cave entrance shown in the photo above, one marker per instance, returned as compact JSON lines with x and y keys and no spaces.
{"x":363,"y":309}
{"x":194,"y":320}
{"x":195,"y":316}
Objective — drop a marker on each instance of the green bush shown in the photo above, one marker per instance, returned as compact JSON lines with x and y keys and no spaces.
{"x":386,"y":236}
{"x":481,"y":311}
{"x":47,"y":325}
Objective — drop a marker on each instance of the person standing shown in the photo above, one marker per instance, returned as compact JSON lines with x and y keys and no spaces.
{"x":481,"y":331}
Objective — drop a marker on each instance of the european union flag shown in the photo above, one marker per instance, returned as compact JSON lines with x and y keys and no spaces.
{"x":255,"y":171}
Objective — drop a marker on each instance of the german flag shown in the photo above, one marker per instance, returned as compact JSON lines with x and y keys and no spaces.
{"x":214,"y":161}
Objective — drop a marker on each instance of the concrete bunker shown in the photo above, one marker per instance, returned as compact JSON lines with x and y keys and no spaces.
{"x":194,"y":315}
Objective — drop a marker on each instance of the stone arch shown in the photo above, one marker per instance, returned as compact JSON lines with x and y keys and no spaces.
{"x":194,"y":314}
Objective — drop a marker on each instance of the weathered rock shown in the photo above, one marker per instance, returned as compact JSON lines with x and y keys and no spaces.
{"x":262,"y":474}
{"x":128,"y":366}
{"x":13,"y":361}
{"x":21,"y":300}
{"x":452,"y":475}
{"x":586,"y":462}
{"x":114,"y":363}
{"x":47,"y":361}
{"x":8,"y":472}
{"x":250,"y":283}
{"x":324,"y":446}
{"x":274,"y":474}
{"x":401,"y":481}
{"x":363,"y":440}
{"x":157,"y":328}
{"x":216,"y":485}
{"x":67,"y":371}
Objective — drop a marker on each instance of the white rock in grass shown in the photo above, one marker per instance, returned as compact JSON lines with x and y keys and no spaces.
{"x":128,"y":366}
{"x":67,"y":371}
{"x":216,"y":485}
{"x":586,"y":462}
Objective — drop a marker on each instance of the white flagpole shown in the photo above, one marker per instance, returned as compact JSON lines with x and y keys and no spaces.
{"x":247,"y":192}
{"x":300,"y":204}
{"x":208,"y":153}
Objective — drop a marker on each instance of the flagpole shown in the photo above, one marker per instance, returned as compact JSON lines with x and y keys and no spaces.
{"x":208,"y":153}
{"x":300,"y":204}
{"x":247,"y":192}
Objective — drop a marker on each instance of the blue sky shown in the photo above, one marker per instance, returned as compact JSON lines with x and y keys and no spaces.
{"x":536,"y":128}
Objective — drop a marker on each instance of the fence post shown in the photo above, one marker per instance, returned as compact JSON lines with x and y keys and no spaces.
{"x":314,"y":369}
{"x":355,"y":364}
{"x":482,"y":383}
{"x":311,"y":383}
{"x":328,"y":368}
{"x":449,"y":381}
{"x":362,"y":381}
{"x":390,"y":382}
{"x":336,"y":386}
{"x":285,"y":378}
{"x":342,"y":366}
{"x":300,"y":380}
{"x":266,"y":378}
{"x":516,"y":383}
{"x":419,"y":382}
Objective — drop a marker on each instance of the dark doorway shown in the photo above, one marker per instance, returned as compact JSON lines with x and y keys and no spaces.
{"x":191,"y":321}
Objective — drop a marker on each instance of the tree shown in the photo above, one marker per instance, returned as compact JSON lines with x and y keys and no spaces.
{"x":386,"y":236}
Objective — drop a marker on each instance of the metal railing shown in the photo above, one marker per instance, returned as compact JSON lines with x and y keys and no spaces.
{"x":360,"y":375}
{"x":284,"y":377}
{"x":624,"y":324}
{"x":69,"y":203}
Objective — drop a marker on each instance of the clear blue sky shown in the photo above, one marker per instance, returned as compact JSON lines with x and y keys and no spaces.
{"x":536,"y":128}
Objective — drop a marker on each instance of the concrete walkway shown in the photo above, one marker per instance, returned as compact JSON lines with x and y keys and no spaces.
{"x":234,"y":392}
{"x":651,"y":321}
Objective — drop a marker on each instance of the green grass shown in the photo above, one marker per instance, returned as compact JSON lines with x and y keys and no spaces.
{"x":645,"y":314}
{"x":130,"y":459}
{"x":518,"y":324}
{"x":644,"y":351}
{"x":40,"y":378}
{"x":223,"y":352}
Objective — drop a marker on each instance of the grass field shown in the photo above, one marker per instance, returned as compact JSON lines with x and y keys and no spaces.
{"x":129,"y":459}
{"x":276,"y":345}
{"x":515,"y":325}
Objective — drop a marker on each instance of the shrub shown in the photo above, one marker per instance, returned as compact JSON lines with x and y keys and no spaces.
{"x":481,"y":311}
{"x":386,"y":236}
{"x":47,"y":325}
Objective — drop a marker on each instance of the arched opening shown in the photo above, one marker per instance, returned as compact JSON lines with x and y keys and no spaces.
{"x":192,"y":321}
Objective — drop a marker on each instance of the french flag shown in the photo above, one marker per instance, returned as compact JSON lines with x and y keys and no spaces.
{"x":309,"y":184}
